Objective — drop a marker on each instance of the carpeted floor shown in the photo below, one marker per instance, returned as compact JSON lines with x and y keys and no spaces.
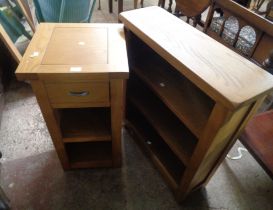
{"x":32,"y":177}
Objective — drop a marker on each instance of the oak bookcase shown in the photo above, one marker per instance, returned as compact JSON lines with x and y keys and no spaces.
{"x":188,"y":96}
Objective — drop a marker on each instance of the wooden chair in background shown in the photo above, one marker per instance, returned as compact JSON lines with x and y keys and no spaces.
{"x":12,"y":33}
{"x":136,"y":2}
{"x":191,"y":9}
{"x":241,"y":30}
{"x":258,"y":139}
{"x":24,"y":6}
{"x":8,"y":43}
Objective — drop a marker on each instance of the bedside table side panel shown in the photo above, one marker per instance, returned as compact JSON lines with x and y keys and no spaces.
{"x":51,"y":121}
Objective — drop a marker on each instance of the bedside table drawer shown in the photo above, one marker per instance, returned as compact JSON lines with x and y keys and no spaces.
{"x":68,"y":95}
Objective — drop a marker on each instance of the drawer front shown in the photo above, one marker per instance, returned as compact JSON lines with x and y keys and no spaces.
{"x":62,"y":95}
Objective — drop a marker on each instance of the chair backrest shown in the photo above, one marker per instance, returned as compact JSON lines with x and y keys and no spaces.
{"x":47,"y":11}
{"x":192,"y":8}
{"x":241,"y":30}
{"x":12,"y":24}
{"x":5,"y":39}
{"x":77,"y":11}
{"x":66,"y":11}
{"x":24,"y":6}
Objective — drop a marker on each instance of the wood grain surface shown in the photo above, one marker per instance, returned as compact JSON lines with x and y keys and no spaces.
{"x":221,"y":73}
{"x":70,"y":49}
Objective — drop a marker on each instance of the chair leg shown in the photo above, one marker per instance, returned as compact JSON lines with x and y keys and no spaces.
{"x":170,"y":5}
{"x":196,"y":20}
{"x":161,"y":3}
{"x":110,"y":2}
{"x":142,"y":3}
{"x":135,"y":4}
{"x":99,"y":8}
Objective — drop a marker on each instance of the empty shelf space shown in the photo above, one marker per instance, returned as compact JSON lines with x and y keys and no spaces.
{"x":162,"y":156}
{"x":89,"y":154}
{"x":168,"y":126}
{"x":189,"y":103}
{"x":89,"y":124}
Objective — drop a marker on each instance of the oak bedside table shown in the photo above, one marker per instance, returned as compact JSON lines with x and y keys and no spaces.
{"x":78,"y":72}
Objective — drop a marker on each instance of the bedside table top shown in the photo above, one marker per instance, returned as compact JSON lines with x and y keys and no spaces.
{"x":81,"y":51}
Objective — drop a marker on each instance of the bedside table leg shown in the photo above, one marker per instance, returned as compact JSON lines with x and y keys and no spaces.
{"x":117,"y":108}
{"x":51,"y":121}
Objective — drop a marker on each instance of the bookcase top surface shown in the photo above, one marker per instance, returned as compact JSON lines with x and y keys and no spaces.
{"x":70,"y":48}
{"x":218,"y":71}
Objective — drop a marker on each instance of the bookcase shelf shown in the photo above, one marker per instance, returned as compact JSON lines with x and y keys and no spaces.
{"x":170,"y":166}
{"x":188,"y":97}
{"x":167,"y":125}
{"x":188,"y":102}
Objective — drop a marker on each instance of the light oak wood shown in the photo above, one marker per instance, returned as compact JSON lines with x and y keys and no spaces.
{"x":179,"y":76}
{"x":78,"y":73}
{"x":116,"y":87}
{"x":258,"y":139}
{"x":107,"y":61}
{"x":90,"y":43}
{"x":51,"y":121}
{"x":77,"y":93}
{"x":198,"y":57}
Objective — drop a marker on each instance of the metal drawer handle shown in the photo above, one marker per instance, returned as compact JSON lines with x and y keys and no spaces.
{"x":80,"y":93}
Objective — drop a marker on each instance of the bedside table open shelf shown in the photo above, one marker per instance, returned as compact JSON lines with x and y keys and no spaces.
{"x":85,"y":124}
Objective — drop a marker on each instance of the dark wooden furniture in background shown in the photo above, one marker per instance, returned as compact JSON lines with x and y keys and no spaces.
{"x":245,"y":32}
{"x":258,"y":139}
{"x":269,"y":11}
{"x":241,"y":30}
{"x":191,"y":9}
{"x":186,"y":100}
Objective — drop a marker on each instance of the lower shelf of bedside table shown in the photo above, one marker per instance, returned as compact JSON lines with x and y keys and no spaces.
{"x":89,"y":154}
